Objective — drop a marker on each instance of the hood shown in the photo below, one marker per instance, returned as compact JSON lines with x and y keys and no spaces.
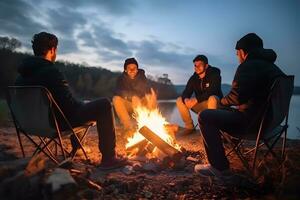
{"x":31,"y":64}
{"x":263,"y":54}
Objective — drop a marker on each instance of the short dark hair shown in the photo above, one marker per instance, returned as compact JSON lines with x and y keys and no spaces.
{"x":42,"y":42}
{"x":202,"y":58}
{"x":130,"y":61}
{"x":249,"y":42}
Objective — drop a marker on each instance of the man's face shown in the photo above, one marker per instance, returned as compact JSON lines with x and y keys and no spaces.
{"x":53,"y":54}
{"x":131,"y":70}
{"x":200,"y":67}
{"x":241,"y":55}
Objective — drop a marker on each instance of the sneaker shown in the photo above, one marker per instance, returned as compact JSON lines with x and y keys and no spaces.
{"x":206,"y":170}
{"x":113,"y":163}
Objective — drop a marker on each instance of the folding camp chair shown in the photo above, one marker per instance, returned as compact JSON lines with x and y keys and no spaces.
{"x":35,"y":113}
{"x":272,"y":126}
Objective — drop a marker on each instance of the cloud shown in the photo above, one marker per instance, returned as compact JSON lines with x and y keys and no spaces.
{"x":114,"y":7}
{"x":65,"y":20}
{"x":152,"y":53}
{"x":17,"y":19}
{"x":85,"y":35}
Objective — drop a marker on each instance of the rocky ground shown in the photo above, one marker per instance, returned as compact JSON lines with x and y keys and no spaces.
{"x":143,"y":179}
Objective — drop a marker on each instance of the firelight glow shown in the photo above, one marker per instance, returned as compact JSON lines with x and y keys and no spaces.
{"x":153,"y":119}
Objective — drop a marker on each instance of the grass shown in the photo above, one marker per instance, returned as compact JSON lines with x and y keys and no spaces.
{"x":4,"y":112}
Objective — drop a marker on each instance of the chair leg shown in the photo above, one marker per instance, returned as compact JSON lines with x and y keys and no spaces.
{"x":46,"y":145}
{"x":37,"y":149}
{"x":20,"y":142}
{"x":79,"y":142}
{"x":42,"y":150}
{"x":61,"y":144}
{"x":284,"y":143}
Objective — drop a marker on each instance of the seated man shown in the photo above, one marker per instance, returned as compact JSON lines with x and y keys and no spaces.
{"x":41,"y":70}
{"x":249,"y":91}
{"x":131,"y":86}
{"x":206,"y":84}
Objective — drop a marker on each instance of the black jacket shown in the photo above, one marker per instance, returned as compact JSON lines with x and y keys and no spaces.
{"x":38,"y":71}
{"x":127,"y":87}
{"x":203,"y":88}
{"x":252,"y":82}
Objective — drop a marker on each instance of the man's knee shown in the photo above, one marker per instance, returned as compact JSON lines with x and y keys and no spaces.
{"x":117,"y":101}
{"x":212,"y":102}
{"x":205,"y":116}
{"x":179,"y":101}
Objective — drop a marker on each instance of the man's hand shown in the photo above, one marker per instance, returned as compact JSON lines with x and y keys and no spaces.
{"x":190,"y":102}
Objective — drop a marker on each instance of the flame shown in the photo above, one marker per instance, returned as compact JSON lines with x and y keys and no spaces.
{"x":146,"y":113}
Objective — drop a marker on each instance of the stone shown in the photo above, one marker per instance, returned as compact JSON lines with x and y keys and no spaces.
{"x":148,"y":194}
{"x":151,"y":167}
{"x":60,"y":178}
{"x":128,"y":170}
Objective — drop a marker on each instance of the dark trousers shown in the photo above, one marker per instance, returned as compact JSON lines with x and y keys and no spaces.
{"x":211,"y":122}
{"x":100,"y":111}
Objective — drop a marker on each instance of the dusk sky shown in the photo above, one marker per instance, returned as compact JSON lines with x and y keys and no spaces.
{"x":164,"y":35}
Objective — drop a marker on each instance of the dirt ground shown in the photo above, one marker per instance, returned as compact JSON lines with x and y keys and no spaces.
{"x":167,"y":183}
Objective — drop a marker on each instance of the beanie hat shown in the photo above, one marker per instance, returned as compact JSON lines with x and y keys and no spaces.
{"x":130,"y":61}
{"x":249,"y":42}
{"x":202,"y":58}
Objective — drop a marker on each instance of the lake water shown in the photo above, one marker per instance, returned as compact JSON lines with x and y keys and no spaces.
{"x":169,"y":110}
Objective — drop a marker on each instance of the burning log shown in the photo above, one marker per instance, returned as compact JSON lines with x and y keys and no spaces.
{"x":140,"y":145}
{"x":158,"y":142}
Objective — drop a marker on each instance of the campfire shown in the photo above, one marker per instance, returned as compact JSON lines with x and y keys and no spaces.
{"x":154,"y":137}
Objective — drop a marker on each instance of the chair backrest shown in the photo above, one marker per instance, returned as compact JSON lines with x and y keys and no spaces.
{"x":31,"y":107}
{"x":278,"y":104}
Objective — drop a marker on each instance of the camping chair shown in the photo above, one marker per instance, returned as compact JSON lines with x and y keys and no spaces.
{"x":35,"y":113}
{"x":270,"y":130}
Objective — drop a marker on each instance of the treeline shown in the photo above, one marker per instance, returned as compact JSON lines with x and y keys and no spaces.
{"x":86,"y":82}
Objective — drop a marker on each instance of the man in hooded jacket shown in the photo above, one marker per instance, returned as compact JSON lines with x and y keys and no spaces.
{"x":41,"y":70}
{"x":131,"y":86}
{"x":249,"y":91}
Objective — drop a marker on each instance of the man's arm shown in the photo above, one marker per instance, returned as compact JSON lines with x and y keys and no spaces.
{"x":188,"y":91}
{"x":59,"y":86}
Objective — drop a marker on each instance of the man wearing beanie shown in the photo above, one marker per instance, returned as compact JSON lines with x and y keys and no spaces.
{"x":249,"y":91}
{"x":205,"y":83}
{"x":130,"y":85}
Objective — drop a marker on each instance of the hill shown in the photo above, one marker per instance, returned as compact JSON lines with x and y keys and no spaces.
{"x":85,"y":82}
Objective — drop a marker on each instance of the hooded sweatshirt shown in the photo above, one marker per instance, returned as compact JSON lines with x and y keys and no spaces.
{"x":39,"y":71}
{"x":252,"y":82}
{"x":127,"y":87}
{"x":205,"y":87}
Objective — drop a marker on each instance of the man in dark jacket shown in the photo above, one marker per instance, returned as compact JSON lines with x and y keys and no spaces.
{"x":41,"y":70}
{"x":131,"y":85}
{"x":250,"y":88}
{"x":205,"y":83}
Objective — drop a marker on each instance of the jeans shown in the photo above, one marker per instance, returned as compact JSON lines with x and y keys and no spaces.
{"x":100,"y":111}
{"x":211,"y":123}
{"x":210,"y":103}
